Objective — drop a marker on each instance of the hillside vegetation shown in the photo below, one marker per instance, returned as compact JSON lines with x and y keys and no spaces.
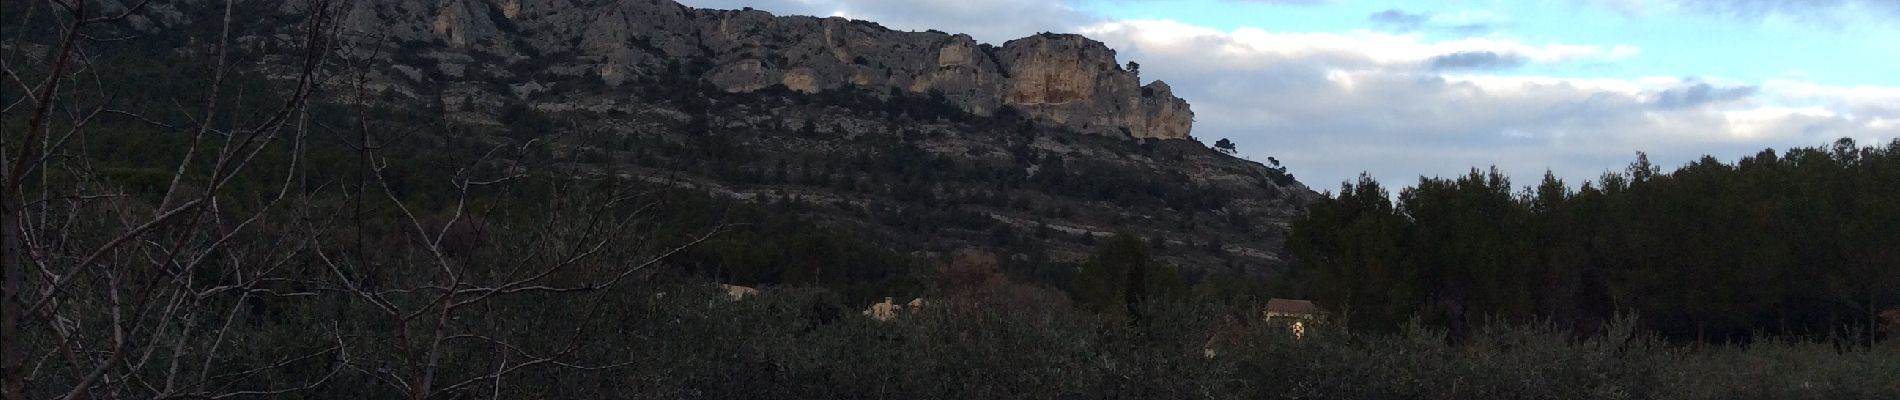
{"x":1804,"y":243}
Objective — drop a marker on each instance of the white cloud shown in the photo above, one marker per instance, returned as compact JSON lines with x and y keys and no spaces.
{"x":1822,"y":11}
{"x":1334,"y":104}
{"x":1353,"y":50}
{"x":1798,"y":8}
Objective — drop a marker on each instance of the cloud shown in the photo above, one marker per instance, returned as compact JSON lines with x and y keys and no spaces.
{"x":1700,"y":93}
{"x":1286,"y":2}
{"x":1356,"y":50}
{"x":1331,"y":105}
{"x":1757,"y":9}
{"x":1470,"y":60}
{"x":1398,"y":20}
{"x":1463,"y":23}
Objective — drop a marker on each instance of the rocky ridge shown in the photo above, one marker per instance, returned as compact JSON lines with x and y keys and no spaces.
{"x":927,"y":140}
{"x":1062,"y":80}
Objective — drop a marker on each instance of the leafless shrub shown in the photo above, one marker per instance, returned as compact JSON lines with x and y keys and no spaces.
{"x":111,"y":293}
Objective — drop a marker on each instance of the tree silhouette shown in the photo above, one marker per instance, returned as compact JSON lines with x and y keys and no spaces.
{"x":1225,"y":146}
{"x":1122,"y":278}
{"x":1798,"y":244}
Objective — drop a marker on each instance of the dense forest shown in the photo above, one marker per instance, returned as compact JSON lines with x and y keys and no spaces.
{"x":1802,"y":243}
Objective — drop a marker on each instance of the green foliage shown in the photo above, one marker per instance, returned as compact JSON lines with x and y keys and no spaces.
{"x":1225,"y":146}
{"x":1466,"y":243}
{"x":1122,"y":279}
{"x":524,"y":122}
{"x":1799,"y":243}
{"x":773,"y":245}
{"x":686,"y":341}
{"x":1350,"y":247}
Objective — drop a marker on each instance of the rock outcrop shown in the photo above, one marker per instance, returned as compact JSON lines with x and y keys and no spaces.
{"x":856,"y":124}
{"x":1062,"y":80}
{"x":1075,"y":82}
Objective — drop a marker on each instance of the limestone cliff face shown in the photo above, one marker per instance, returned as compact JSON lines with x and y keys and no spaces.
{"x":1075,"y":82}
{"x":1163,"y":115}
{"x":630,"y":87}
{"x":1061,"y":80}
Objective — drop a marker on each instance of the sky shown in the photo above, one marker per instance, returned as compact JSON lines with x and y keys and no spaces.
{"x":1404,"y":89}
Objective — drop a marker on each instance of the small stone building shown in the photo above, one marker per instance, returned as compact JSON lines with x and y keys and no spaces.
{"x":736,"y":292}
{"x":1295,"y":314}
{"x":884,"y":311}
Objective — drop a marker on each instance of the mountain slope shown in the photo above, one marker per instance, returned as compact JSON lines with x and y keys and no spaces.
{"x":925,"y":140}
{"x":1067,"y":80}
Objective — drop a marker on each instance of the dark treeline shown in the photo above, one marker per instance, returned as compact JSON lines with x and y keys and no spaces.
{"x":1804,"y":243}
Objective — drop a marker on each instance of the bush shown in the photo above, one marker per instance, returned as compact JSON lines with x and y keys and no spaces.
{"x":694,"y":343}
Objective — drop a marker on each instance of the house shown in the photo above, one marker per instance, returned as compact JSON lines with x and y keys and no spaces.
{"x":1278,"y":308}
{"x":736,"y":292}
{"x":1295,"y":314}
{"x":884,"y":311}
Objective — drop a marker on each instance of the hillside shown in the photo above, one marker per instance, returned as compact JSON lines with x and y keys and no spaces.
{"x":926,"y":140}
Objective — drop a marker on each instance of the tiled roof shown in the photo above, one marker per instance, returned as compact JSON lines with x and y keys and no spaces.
{"x":1290,"y":306}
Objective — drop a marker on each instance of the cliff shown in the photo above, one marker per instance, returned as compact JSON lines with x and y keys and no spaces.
{"x":926,"y":141}
{"x":1060,"y":80}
